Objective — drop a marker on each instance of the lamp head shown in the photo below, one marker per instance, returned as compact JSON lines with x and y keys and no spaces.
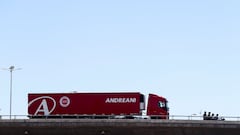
{"x":11,"y":68}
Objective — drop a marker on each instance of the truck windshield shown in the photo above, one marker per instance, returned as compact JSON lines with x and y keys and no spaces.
{"x":163,"y":105}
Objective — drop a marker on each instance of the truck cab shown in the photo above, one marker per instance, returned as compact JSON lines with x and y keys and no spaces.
{"x":157,"y":107}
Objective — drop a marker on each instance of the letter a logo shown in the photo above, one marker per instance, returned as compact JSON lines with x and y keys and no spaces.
{"x":43,"y":107}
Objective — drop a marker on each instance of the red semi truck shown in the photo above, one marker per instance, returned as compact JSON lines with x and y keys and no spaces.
{"x":96,"y":105}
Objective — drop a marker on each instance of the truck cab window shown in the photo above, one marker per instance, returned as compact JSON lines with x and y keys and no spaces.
{"x":162,"y":104}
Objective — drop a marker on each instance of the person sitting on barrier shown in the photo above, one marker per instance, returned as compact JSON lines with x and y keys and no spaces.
{"x":205,"y":116}
{"x":216,"y":117}
{"x":212,"y":117}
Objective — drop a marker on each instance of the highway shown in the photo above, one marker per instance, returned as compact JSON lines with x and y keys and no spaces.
{"x":117,"y":127}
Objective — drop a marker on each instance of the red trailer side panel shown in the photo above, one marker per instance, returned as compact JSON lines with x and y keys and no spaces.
{"x":84,"y":103}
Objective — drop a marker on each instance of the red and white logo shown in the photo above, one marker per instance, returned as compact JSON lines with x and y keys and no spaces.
{"x":64,"y":101}
{"x":43,"y":105}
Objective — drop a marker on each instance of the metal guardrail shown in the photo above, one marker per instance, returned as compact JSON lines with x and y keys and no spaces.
{"x":14,"y":117}
{"x":195,"y":117}
{"x":171,"y":117}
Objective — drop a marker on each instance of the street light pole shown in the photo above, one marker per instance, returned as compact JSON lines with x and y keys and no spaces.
{"x":11,"y":69}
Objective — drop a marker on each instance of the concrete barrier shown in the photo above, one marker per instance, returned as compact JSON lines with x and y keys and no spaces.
{"x":117,"y":127}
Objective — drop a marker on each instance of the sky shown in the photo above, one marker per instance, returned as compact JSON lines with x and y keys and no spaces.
{"x":186,"y":51}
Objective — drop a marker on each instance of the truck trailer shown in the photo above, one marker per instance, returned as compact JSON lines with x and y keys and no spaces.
{"x":96,"y":105}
